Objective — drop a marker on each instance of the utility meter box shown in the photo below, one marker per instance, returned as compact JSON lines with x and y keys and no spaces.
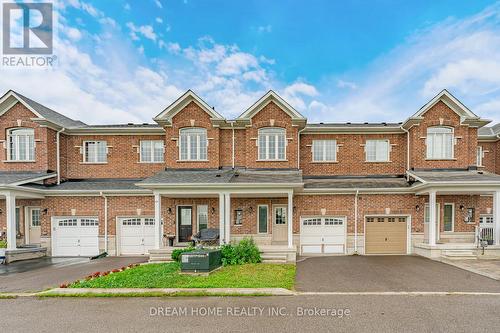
{"x":201,"y":261}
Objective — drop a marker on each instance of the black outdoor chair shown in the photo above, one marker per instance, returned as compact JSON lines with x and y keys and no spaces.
{"x":208,"y":236}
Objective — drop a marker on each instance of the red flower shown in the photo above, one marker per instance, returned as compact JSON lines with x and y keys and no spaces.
{"x":64,"y":285}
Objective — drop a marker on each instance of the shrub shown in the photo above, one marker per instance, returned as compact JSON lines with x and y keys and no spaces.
{"x":3,"y":244}
{"x":176,"y":254}
{"x":245,"y":252}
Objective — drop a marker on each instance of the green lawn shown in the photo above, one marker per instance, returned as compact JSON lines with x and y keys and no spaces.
{"x":168,"y":276}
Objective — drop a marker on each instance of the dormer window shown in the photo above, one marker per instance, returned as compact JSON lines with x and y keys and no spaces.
{"x":440,"y":143}
{"x":21,"y":144}
{"x":193,"y":144}
{"x":272,"y":144}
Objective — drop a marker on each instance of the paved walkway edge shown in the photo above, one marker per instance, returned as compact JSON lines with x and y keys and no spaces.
{"x":469,"y":269}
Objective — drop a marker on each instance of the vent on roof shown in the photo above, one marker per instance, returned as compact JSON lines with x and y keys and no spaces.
{"x":366,"y":123}
{"x":217,"y":175}
{"x":145,"y":123}
{"x":349,"y":123}
{"x":130,"y":124}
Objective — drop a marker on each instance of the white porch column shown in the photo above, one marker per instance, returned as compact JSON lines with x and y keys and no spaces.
{"x":496,"y":217}
{"x":227,"y":218}
{"x":222,"y":215}
{"x":158,"y":225}
{"x":290,"y":219}
{"x":432,"y":218}
{"x":10,"y":207}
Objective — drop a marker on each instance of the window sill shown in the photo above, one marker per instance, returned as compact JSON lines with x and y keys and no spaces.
{"x":191,"y":161}
{"x":98,"y":163}
{"x":440,"y":159}
{"x":272,"y":160}
{"x":141,"y":162}
{"x":378,"y":162}
{"x":28,"y":161}
{"x":324,"y":162}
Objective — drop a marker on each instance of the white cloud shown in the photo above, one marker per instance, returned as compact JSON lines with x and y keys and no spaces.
{"x":159,"y":20}
{"x":126,"y":6}
{"x":146,"y":31}
{"x":158,"y":3}
{"x":346,"y":84}
{"x":265,"y":28}
{"x":174,"y":48}
{"x":74,"y":34}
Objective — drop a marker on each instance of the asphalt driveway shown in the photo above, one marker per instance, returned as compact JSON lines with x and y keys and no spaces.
{"x":387,"y":273}
{"x":43,"y":273}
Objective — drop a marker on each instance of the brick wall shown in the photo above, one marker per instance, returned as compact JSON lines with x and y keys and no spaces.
{"x":123,"y":157}
{"x":466,"y":140}
{"x":192,"y":116}
{"x":490,"y":156}
{"x":351,"y":158}
{"x":20,"y":116}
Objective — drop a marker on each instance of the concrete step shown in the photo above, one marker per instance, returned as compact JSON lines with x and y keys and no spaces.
{"x":459,"y":254}
{"x":161,"y":255}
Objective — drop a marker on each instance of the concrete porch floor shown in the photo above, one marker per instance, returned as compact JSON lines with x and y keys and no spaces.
{"x":486,"y":267}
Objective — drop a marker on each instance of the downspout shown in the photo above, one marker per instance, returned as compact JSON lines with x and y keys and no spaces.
{"x":232,"y":127}
{"x":407,"y":148}
{"x":298,"y":147}
{"x":105,"y":222}
{"x":356,"y":222}
{"x":58,"y":155}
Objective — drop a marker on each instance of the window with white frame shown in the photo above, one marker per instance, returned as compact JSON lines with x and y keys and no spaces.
{"x":324,"y":150}
{"x":272,"y":143}
{"x":95,"y":152}
{"x":377,"y":150}
{"x":193,"y":144}
{"x":440,"y":143}
{"x":152,"y":151}
{"x":479,"y":156}
{"x":21,"y":144}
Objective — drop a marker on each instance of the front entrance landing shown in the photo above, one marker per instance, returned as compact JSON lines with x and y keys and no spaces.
{"x":485,"y":267}
{"x":387,"y":273}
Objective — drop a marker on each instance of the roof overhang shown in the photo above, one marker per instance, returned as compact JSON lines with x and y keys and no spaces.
{"x":220,"y":186}
{"x":89,"y":130}
{"x":10,"y":99}
{"x":165,"y":117}
{"x":467,"y":117}
{"x":352,"y":130}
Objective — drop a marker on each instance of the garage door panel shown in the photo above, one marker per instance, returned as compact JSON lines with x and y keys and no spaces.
{"x":137,"y":235}
{"x":331,"y":249}
{"x":312,"y":249}
{"x":75,"y":236}
{"x":386,"y":235}
{"x":322,"y":235}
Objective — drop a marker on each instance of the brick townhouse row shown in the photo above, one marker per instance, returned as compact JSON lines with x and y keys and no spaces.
{"x":312,"y":188}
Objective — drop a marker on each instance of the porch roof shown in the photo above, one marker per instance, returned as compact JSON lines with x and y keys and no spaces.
{"x":90,"y":185}
{"x":18,"y":178}
{"x":455,"y":176}
{"x":222,"y":177}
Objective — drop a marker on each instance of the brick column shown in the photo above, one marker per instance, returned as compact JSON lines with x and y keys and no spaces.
{"x":10,"y":207}
{"x":432,"y":218}
{"x":496,"y":217}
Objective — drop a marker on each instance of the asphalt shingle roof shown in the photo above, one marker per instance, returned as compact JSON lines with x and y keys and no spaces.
{"x":354,"y":125}
{"x":91,"y":185}
{"x":51,"y":115}
{"x":456,"y":176}
{"x":355,"y":182}
{"x":10,"y":177}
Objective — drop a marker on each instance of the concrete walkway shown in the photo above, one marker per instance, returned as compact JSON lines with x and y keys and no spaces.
{"x":40,"y":274}
{"x":486,"y":267}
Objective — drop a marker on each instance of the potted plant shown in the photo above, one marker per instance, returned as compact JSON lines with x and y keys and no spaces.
{"x":3,"y":245}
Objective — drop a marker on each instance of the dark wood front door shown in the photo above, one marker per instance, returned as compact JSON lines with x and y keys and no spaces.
{"x":185,"y":220}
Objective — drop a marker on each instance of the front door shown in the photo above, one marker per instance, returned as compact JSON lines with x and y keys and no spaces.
{"x":280,"y":222}
{"x":185,"y":220}
{"x":33,"y":217}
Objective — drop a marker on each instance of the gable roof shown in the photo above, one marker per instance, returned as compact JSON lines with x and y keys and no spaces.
{"x":271,"y":96}
{"x":189,"y":96}
{"x":44,"y":113}
{"x":467,"y":117}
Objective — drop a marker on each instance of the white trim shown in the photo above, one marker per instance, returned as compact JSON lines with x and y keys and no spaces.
{"x":152,"y":151}
{"x":118,"y":227}
{"x":408,"y":230}
{"x":262,"y":102}
{"x":345,"y":222}
{"x":96,"y":143}
{"x":198,"y":217}
{"x":11,"y":93}
{"x":177,"y":220}
{"x":452,"y":204}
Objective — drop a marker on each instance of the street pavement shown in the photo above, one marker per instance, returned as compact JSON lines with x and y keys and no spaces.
{"x":312,"y":313}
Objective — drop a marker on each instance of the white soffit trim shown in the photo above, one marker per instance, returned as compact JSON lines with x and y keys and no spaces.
{"x":264,"y":100}
{"x":10,"y":99}
{"x":181,"y":102}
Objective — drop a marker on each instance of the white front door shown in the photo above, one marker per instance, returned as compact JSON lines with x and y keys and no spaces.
{"x":75,"y":236}
{"x":322,"y":235}
{"x":33,"y":220}
{"x":280,"y":223}
{"x":136,"y":235}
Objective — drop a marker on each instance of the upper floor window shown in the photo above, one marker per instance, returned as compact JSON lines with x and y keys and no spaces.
{"x":324,"y":150}
{"x":152,"y":151}
{"x":193,"y":144}
{"x":479,"y":156}
{"x":21,"y":144}
{"x":95,"y":152}
{"x":440,"y":143}
{"x":377,"y":150}
{"x":272,"y":143}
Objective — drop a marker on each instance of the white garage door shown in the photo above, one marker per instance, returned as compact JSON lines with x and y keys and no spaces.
{"x":137,"y":235}
{"x":323,"y":235}
{"x":75,"y":236}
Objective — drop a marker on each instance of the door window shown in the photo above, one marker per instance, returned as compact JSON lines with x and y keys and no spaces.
{"x":280,"y":215}
{"x":263,"y":219}
{"x":202,"y":211}
{"x":185,"y":216}
{"x":35,"y":217}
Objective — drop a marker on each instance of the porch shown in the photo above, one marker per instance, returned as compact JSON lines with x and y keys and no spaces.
{"x":468,"y":199}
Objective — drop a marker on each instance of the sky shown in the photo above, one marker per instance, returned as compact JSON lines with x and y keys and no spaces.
{"x":121,"y":61}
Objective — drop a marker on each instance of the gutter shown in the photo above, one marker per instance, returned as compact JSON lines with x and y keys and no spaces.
{"x":58,"y":155}
{"x":105,"y":222}
{"x":356,"y":222}
{"x":298,"y":147}
{"x":232,"y":127}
